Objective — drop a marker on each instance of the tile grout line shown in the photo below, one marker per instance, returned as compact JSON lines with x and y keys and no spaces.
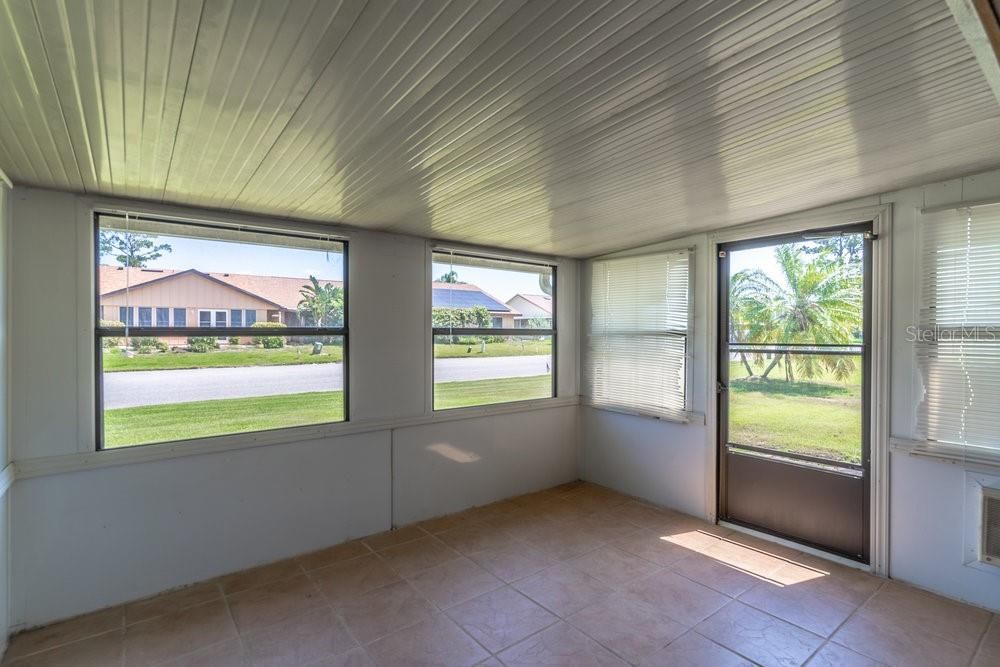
{"x":982,"y":638}
{"x":887,"y":581}
{"x":466,"y":632}
{"x":735,"y":651}
{"x":554,"y":623}
{"x":339,"y":618}
{"x":724,"y":647}
{"x":232,"y":619}
{"x":829,"y":640}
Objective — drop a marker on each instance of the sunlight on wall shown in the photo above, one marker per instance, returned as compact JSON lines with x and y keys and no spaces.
{"x":453,"y":453}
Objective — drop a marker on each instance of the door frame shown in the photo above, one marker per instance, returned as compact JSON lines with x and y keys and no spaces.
{"x":794,"y":462}
{"x":879,"y":398}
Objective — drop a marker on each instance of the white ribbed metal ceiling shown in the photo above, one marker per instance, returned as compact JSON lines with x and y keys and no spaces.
{"x":570,"y":127}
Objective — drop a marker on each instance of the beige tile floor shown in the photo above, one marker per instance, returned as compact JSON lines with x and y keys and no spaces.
{"x":575,"y":575}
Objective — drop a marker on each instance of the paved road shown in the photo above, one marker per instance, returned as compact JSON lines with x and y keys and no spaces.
{"x":453,"y":370}
{"x":134,"y":388}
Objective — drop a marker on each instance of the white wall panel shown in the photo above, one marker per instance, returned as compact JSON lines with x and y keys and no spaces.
{"x":928,"y":532}
{"x":88,"y":540}
{"x":388,"y":286}
{"x":442,"y":468}
{"x":44,"y":286}
{"x":663,"y":462}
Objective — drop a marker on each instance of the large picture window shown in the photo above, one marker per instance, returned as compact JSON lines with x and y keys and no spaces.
{"x":638,"y":337}
{"x":276,"y":307}
{"x":494,"y":329}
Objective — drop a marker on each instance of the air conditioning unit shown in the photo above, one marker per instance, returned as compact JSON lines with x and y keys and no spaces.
{"x":990,"y":538}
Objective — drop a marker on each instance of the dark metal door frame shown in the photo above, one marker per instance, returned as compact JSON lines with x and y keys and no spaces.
{"x":863,"y":471}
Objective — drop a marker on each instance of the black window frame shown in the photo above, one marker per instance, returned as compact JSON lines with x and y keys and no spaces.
{"x":100,"y":332}
{"x":495,"y":331}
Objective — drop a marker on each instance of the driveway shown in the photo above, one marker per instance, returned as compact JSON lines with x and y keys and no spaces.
{"x":135,"y":388}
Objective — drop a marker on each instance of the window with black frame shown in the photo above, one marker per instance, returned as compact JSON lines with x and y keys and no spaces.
{"x":208,"y":329}
{"x":494,"y":329}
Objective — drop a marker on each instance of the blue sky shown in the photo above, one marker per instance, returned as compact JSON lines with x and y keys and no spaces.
{"x":756,"y":258}
{"x":763,"y":259}
{"x":226,"y":256}
{"x":499,"y":283}
{"x":229,"y":257}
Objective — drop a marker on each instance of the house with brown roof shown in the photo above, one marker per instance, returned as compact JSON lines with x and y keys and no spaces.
{"x":531,"y":307}
{"x":191,"y":298}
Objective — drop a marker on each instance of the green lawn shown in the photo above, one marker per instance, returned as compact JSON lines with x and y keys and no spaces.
{"x":183,"y":421}
{"x":505,"y":349}
{"x":115,"y":360}
{"x":820,"y":417}
{"x":483,"y":392}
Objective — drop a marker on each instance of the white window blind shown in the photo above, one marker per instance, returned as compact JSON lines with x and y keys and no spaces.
{"x":640,"y":322}
{"x":958,"y":339}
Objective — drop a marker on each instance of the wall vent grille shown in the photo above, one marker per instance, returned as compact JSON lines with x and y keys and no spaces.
{"x":991,"y":526}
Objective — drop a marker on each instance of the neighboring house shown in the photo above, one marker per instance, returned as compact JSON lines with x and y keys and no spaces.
{"x":536,"y":307}
{"x":467,"y":295}
{"x":190,"y":298}
{"x":172,"y":298}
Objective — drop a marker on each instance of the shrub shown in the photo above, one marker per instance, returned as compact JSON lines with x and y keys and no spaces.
{"x":203,"y":343}
{"x":111,"y":343}
{"x":147,"y":344}
{"x":269,"y":342}
{"x":474,"y":317}
{"x":234,"y":340}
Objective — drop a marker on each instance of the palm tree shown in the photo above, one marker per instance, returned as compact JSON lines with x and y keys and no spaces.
{"x":819,"y":304}
{"x":322,"y":304}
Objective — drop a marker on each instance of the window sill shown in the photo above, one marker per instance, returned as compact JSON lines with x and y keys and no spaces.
{"x":66,"y":463}
{"x":951,"y":454}
{"x":689,"y":418}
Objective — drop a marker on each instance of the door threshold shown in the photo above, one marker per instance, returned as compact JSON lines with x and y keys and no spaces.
{"x":812,"y":551}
